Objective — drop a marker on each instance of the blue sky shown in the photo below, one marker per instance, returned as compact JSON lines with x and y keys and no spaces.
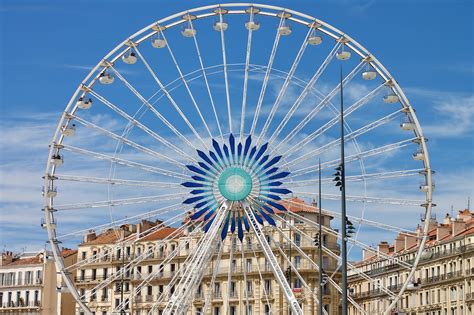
{"x":47,"y":47}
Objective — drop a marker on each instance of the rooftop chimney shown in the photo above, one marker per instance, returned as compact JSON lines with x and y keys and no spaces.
{"x":399,"y":243}
{"x":384,"y":247}
{"x":458,"y":226}
{"x":410,"y":240}
{"x":89,"y":236}
{"x":6,"y":258}
{"x":441,"y":231}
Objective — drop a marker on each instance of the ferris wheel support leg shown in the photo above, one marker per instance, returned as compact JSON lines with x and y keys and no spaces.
{"x":277,"y":272}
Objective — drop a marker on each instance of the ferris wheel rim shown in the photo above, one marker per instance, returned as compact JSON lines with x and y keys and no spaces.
{"x":352,"y":44}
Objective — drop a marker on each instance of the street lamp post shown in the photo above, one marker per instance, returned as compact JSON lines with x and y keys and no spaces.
{"x":343,"y":208}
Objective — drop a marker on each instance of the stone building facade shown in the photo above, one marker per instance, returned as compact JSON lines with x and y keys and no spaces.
{"x":443,"y":282}
{"x":251,"y":277}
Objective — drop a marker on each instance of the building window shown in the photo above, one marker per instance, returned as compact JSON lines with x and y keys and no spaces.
{"x":233,"y":310}
{"x":249,"y":265}
{"x":249,"y":288}
{"x":297,"y":261}
{"x":268,"y":286}
{"x":297,"y":239}
{"x":267,"y":310}
{"x":217,"y":310}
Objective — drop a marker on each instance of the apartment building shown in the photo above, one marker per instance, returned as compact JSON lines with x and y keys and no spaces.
{"x":443,"y":282}
{"x":28,"y":284}
{"x":237,"y":280}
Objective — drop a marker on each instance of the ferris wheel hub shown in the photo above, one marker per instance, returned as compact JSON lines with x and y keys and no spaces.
{"x":235,"y":184}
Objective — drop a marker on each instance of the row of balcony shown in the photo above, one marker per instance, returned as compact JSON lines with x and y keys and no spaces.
{"x":427,"y":256}
{"x":421,"y":281}
{"x":442,"y":277}
{"x":236,"y":248}
{"x":237,"y":270}
{"x":23,"y":282}
{"x":21,"y":304}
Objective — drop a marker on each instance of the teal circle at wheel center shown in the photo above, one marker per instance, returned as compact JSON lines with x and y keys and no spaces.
{"x":234,"y":184}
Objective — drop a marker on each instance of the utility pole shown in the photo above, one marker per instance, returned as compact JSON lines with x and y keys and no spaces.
{"x":343,"y":209}
{"x":320,"y":245}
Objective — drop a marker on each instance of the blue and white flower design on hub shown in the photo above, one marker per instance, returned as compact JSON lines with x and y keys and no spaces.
{"x":236,"y":173}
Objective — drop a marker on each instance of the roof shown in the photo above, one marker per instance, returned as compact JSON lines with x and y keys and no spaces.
{"x":109,"y":236}
{"x":160,"y":234}
{"x":467,"y":231}
{"x":66,"y":252}
{"x":38,"y":259}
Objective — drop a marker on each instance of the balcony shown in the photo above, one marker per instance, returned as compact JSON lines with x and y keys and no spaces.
{"x":22,"y":282}
{"x":267,"y":294}
{"x":19,"y":305}
{"x":470,"y":296}
{"x":217,"y":294}
{"x":199,"y":295}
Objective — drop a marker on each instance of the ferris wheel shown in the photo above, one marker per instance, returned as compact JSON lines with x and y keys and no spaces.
{"x":214,"y":120}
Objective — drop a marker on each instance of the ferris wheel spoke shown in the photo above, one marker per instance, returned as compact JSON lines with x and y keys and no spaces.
{"x":135,"y":218}
{"x":357,"y":178}
{"x":354,"y":157}
{"x":358,"y":272}
{"x":317,"y":267}
{"x":246,"y":76}
{"x":359,"y":244}
{"x":169,"y":97}
{"x":307,"y":89}
{"x":266,"y":77}
{"x":127,"y":241}
{"x":155,"y":274}
{"x":244,"y":271}
{"x":351,"y":109}
{"x":285,"y":86}
{"x":120,"y":246}
{"x":339,"y":259}
{"x":177,"y":276}
{"x":115,"y":181}
{"x":229,"y":275}
{"x":266,"y":293}
{"x":119,"y":202}
{"x":193,"y":272}
{"x":364,"y":199}
{"x":204,"y":74}
{"x":129,"y":142}
{"x":348,"y":137}
{"x":226,"y":78}
{"x":360,"y":220}
{"x":295,"y":270}
{"x":215,"y":272}
{"x":183,"y":79}
{"x":277,"y":272}
{"x":145,"y":167}
{"x":135,"y":122}
{"x":320,"y":106}
{"x":129,"y":267}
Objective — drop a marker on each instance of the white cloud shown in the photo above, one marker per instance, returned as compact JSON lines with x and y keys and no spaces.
{"x":452,"y":112}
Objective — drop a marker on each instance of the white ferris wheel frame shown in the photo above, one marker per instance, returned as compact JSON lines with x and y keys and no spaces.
{"x":205,"y":12}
